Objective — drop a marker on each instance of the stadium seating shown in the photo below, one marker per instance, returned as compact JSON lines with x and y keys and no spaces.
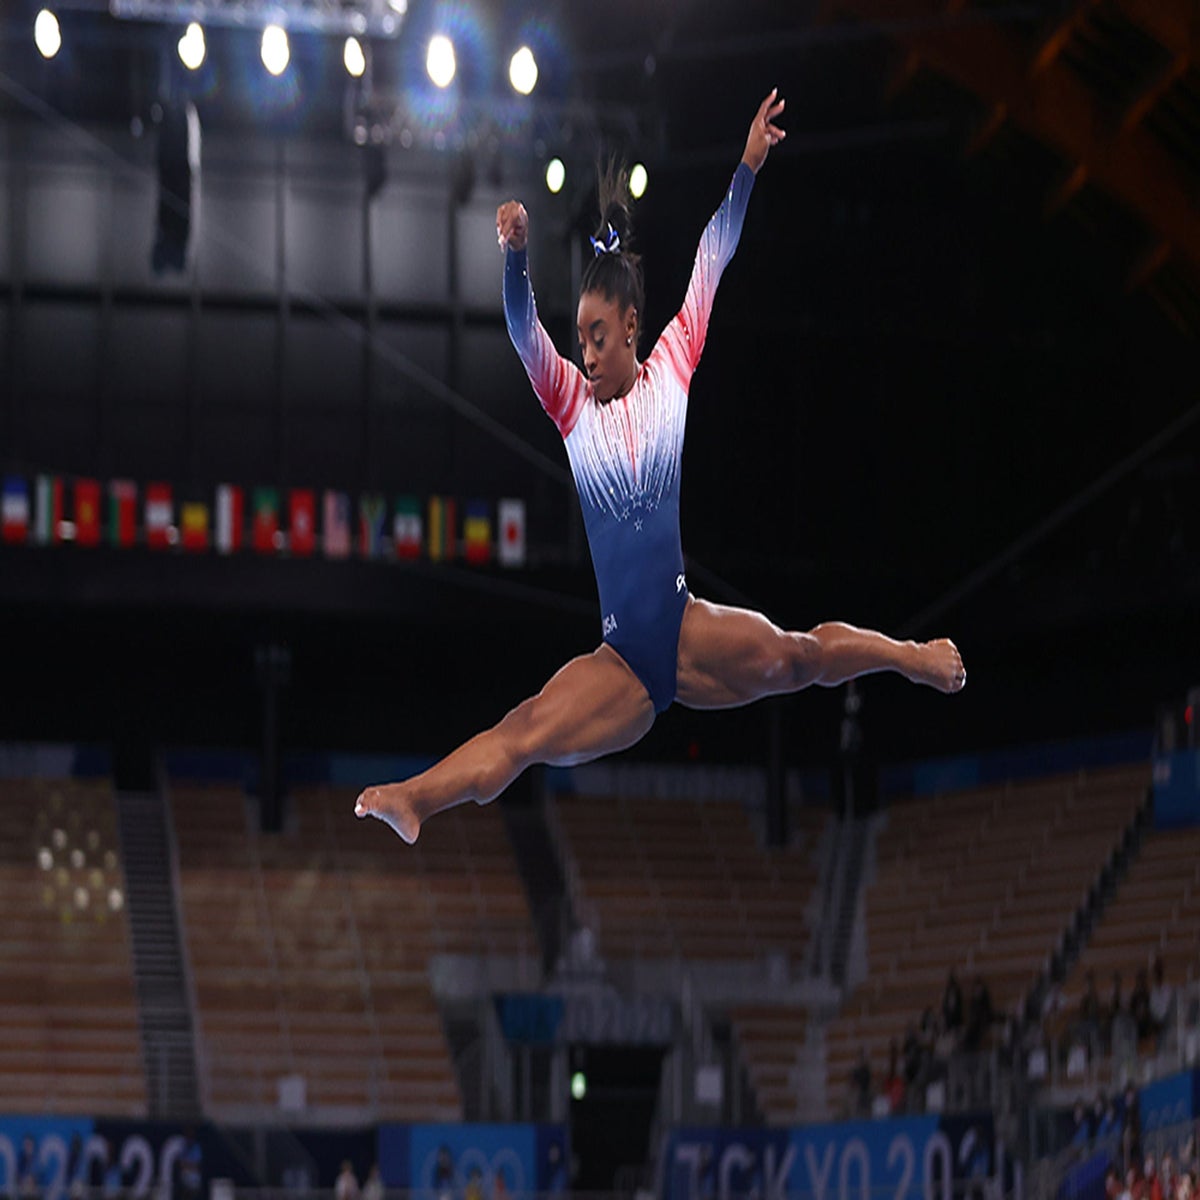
{"x":674,"y":878}
{"x":1156,"y":911}
{"x":333,"y":923}
{"x":68,"y":1014}
{"x":984,"y":881}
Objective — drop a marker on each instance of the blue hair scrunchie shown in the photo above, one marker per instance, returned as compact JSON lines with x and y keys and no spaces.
{"x":609,"y":244}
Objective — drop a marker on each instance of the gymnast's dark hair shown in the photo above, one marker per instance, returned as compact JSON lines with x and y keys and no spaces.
{"x":616,"y":273}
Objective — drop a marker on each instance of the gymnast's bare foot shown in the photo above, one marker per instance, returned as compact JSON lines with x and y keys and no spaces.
{"x":389,"y":803}
{"x":939,"y":665}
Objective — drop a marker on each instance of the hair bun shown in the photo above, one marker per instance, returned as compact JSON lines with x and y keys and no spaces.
{"x":614,"y":202}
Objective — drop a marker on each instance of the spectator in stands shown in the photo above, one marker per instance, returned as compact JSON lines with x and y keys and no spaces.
{"x":915,"y":1068}
{"x":346,"y":1187}
{"x":1153,"y":1183}
{"x":860,"y":1085}
{"x":77,"y":1169}
{"x":1112,"y":1184}
{"x":114,"y":1179}
{"x":979,"y":1015}
{"x":1139,"y":1006}
{"x":1106,"y":1121}
{"x":1162,"y":1002}
{"x":190,"y":1168}
{"x":443,"y":1174}
{"x":373,"y":1188}
{"x":1131,"y":1126}
{"x":1167,"y":1177}
{"x":27,"y":1180}
{"x":952,"y":1006}
{"x":1081,"y":1129}
{"x":893,"y":1084}
{"x":556,"y":1171}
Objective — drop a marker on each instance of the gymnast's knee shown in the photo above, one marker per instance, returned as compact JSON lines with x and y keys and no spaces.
{"x":514,"y":747}
{"x":792,"y":662}
{"x":802,"y":660}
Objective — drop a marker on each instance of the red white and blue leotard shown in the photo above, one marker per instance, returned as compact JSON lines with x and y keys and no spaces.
{"x":625,"y":454}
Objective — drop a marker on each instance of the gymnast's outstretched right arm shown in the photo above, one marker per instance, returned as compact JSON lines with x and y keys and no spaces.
{"x":557,"y":382}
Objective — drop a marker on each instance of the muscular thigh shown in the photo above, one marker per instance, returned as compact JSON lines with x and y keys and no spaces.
{"x":726,"y":655}
{"x":593,"y":706}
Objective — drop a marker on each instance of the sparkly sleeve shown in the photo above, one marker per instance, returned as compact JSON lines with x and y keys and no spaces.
{"x":557,"y":382}
{"x":683,"y":339}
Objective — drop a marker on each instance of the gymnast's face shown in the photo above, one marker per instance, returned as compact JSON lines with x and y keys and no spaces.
{"x":607,"y":344}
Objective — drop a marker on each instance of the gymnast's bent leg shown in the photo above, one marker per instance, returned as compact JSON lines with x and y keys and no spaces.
{"x":731,"y":656}
{"x":593,"y":706}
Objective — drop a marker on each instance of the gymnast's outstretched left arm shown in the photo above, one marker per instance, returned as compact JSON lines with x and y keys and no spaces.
{"x":686,"y":334}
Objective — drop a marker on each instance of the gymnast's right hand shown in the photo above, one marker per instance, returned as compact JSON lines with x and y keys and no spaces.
{"x":512,"y":225}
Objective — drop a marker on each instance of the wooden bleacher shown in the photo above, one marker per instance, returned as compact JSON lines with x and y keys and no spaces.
{"x":310,"y":949}
{"x":674,"y":878}
{"x":768,"y":1038}
{"x":68,"y":1010}
{"x":984,"y":881}
{"x":1156,"y":911}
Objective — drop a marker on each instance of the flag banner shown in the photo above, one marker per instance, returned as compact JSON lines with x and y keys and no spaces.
{"x":477,"y":532}
{"x":14,"y":510}
{"x":372,"y":522}
{"x":231,"y":521}
{"x":302,"y":521}
{"x":406,"y":528}
{"x":441,"y":528}
{"x":266,"y":520}
{"x":87,"y":512}
{"x":48,"y":512}
{"x":122,"y":513}
{"x":193,"y":517}
{"x":159,"y":512}
{"x":510,"y":518}
{"x":336,"y":527}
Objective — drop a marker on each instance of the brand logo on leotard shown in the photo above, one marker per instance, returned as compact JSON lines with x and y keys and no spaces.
{"x":609,"y":624}
{"x":680,"y":584}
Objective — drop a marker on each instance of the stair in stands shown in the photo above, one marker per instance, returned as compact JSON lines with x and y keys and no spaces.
{"x":164,"y":1010}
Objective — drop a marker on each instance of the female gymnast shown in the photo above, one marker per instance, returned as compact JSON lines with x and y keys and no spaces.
{"x":622,"y":421}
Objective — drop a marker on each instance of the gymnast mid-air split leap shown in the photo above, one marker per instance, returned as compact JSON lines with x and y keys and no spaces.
{"x":622,"y":422}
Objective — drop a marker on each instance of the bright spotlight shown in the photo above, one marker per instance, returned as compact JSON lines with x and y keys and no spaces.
{"x":556,"y":175}
{"x":637,"y":181}
{"x":439,"y":60}
{"x":192,"y":48}
{"x":354,"y":58}
{"x":522,"y":71}
{"x":46,"y":34}
{"x":400,"y":7}
{"x":275,"y":52}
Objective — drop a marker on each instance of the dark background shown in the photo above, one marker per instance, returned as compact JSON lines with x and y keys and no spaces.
{"x":933,"y":337}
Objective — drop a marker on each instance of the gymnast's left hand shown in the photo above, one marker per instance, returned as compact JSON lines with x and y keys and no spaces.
{"x":764,"y":133}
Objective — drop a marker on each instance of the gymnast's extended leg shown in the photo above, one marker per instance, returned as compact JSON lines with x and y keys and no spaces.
{"x":731,"y":656}
{"x":595,"y":705}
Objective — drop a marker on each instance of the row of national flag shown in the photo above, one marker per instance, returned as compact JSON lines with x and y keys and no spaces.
{"x":300,"y":522}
